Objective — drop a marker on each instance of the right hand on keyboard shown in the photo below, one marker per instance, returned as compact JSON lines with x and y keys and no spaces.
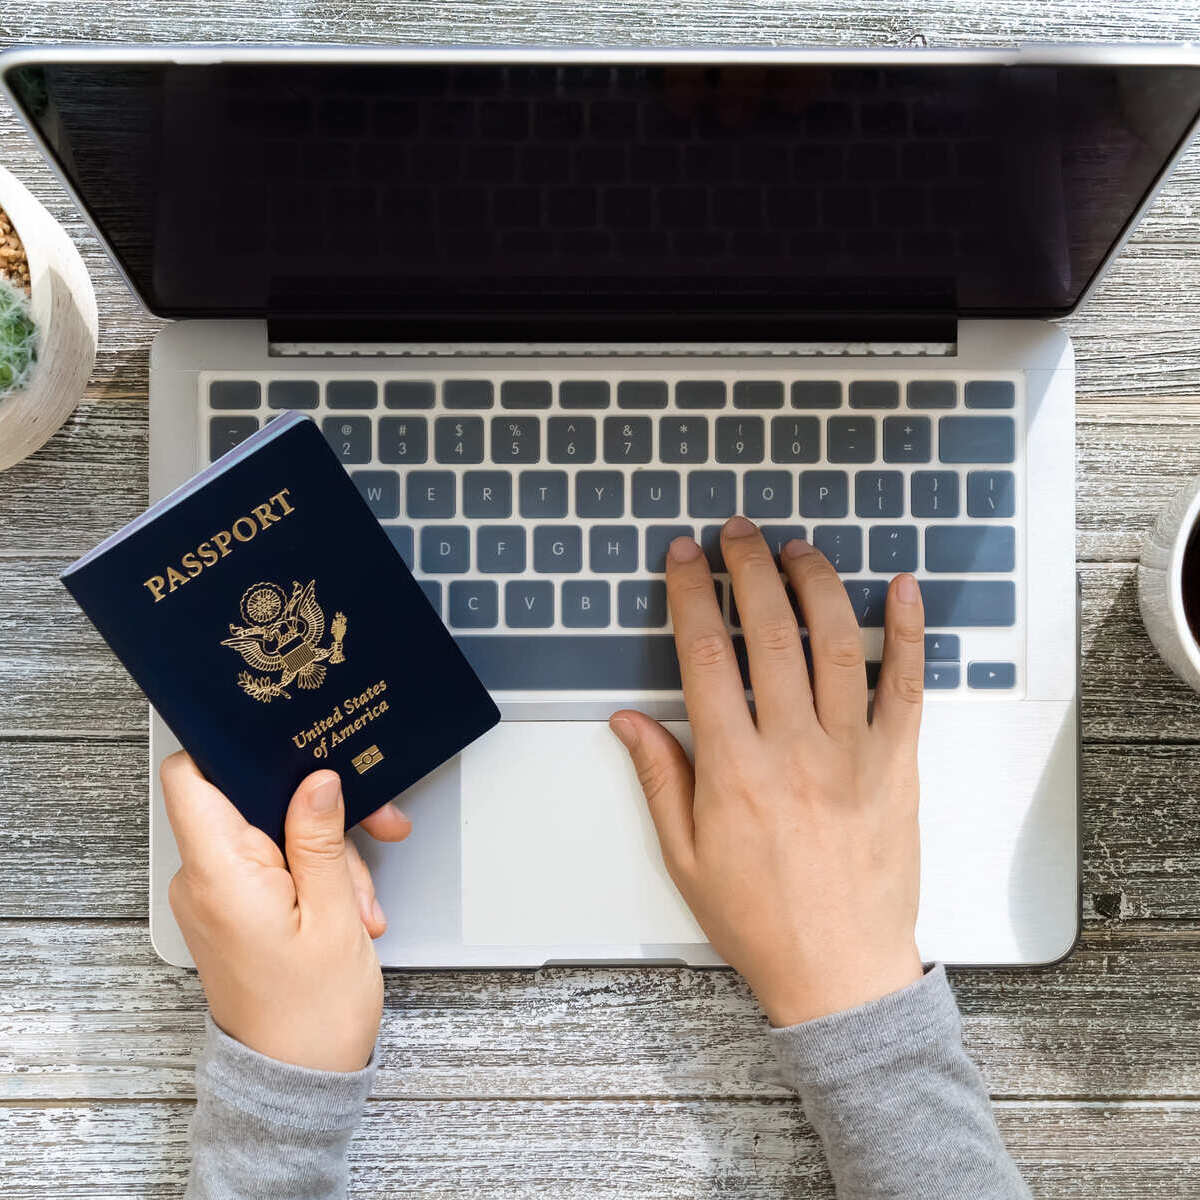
{"x":794,"y":836}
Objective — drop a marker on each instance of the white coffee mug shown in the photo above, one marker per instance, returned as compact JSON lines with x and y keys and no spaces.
{"x":1160,"y":585}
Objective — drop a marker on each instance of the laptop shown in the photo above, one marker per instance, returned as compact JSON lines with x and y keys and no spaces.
{"x":553,"y":308}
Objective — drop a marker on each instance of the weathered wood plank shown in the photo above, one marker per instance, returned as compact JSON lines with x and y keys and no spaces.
{"x":685,"y":1150}
{"x":58,"y":677}
{"x":89,"y":1012}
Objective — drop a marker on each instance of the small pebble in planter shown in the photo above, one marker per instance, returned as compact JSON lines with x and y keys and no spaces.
{"x":18,"y":339}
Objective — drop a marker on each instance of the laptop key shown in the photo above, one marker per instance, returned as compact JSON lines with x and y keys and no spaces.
{"x":468,"y":393}
{"x":700,"y":393}
{"x":401,"y":537}
{"x":474,"y":604}
{"x":599,"y":494}
{"x":500,"y":549}
{"x":942,"y":647}
{"x":234,"y":393}
{"x":445,"y":549}
{"x":293,"y":393}
{"x":893,"y":548}
{"x":824,"y":494}
{"x":841,"y":544}
{"x":966,"y":549}
{"x":429,"y":493}
{"x":816,"y":393}
{"x":850,"y":439}
{"x":740,"y":440}
{"x":408,"y":393}
{"x":558,"y":662}
{"x":683,"y":439}
{"x":381,"y":491}
{"x":351,"y":393}
{"x":934,"y":494}
{"x":350,"y":437}
{"x":767,"y":494}
{"x":874,"y":393}
{"x":778,"y":536}
{"x":516,"y":439}
{"x":942,"y":676}
{"x":991,"y":675}
{"x":932,"y":393}
{"x":953,"y":603}
{"x":529,"y":603}
{"x":571,"y":439}
{"x":867,"y":599}
{"x":613,"y":548}
{"x":989,"y":393}
{"x":403,"y":440}
{"x":712,"y":494}
{"x":226,"y":432}
{"x":585,"y":605}
{"x":796,"y":439}
{"x":641,"y":393}
{"x":976,"y":439}
{"x":757,"y":393}
{"x":879,"y":494}
{"x":710,"y":543}
{"x":543,"y":493}
{"x":991,"y":494}
{"x":641,"y":603}
{"x":627,"y":439}
{"x":655,"y":493}
{"x":525,"y":393}
{"x":557,"y":549}
{"x":906,"y":439}
{"x":658,"y":542}
{"x":487,"y":494}
{"x":458,"y":439}
{"x":583,"y":393}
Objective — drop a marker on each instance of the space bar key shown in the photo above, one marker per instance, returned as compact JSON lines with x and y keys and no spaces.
{"x":565,"y":662}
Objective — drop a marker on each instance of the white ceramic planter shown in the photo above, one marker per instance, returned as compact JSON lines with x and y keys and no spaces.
{"x":63,"y":306}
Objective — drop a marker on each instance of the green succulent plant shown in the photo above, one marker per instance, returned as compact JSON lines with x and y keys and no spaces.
{"x":18,"y":339}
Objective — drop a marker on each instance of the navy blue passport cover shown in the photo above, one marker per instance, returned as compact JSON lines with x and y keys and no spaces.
{"x":270,"y":621}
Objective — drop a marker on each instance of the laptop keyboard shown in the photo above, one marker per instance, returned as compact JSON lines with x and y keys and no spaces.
{"x":536,"y":510}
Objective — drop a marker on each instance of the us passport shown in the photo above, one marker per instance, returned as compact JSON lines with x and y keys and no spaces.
{"x":271,"y":622}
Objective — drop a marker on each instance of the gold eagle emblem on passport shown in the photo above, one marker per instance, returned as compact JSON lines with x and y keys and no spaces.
{"x":282,"y":637}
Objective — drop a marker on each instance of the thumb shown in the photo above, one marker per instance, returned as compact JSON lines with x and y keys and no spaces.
{"x":667,"y":780}
{"x":314,"y":836}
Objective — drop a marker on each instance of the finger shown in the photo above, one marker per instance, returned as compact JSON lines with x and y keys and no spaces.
{"x":667,"y":782}
{"x":369,"y":908}
{"x":208,"y":829}
{"x":898,"y":694}
{"x":387,"y":824}
{"x":315,"y":842}
{"x":778,"y":672}
{"x":839,"y":669}
{"x":712,"y":683}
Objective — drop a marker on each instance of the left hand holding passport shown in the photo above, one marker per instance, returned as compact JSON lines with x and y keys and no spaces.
{"x":283,"y":947}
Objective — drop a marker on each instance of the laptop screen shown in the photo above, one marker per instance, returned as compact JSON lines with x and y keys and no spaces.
{"x":547,"y":193}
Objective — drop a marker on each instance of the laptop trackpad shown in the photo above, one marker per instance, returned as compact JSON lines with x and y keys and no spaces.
{"x":557,"y":846}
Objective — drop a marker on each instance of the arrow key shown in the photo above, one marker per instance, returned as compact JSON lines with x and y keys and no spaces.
{"x":940,"y":676}
{"x":991,"y":675}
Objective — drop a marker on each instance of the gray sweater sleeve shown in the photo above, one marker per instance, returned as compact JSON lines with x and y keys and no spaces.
{"x":264,"y":1128}
{"x":901,"y":1109}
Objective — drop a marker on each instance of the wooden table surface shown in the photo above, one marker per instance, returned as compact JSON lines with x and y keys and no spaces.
{"x":614,"y":1082}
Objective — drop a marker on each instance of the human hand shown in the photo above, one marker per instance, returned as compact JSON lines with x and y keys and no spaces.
{"x":794,"y":837}
{"x":285,"y":955}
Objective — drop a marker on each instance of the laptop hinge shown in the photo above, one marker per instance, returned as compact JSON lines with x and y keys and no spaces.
{"x":658,"y":333}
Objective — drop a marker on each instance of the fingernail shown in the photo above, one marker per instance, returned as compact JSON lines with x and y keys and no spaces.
{"x":737,"y":527}
{"x":684,"y":549}
{"x":796,"y":548}
{"x":377,"y":913}
{"x":907,"y":590}
{"x":624,"y":730}
{"x":324,"y":798}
